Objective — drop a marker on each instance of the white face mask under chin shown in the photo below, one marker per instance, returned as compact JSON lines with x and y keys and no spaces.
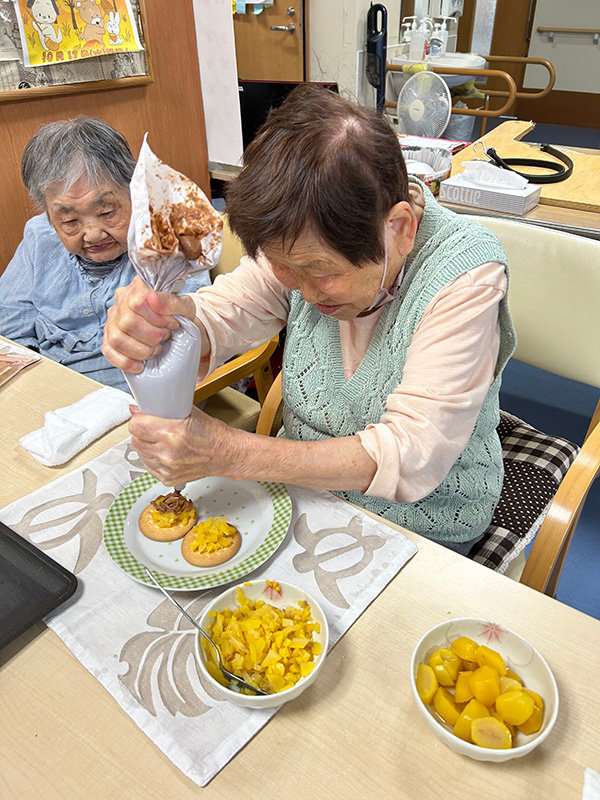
{"x":382,"y":296}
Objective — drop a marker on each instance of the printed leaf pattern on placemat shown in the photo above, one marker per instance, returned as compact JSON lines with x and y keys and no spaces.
{"x":80,"y":515}
{"x":159,"y":661}
{"x":312,"y":561}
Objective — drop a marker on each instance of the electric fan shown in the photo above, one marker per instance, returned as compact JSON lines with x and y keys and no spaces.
{"x":424,"y":105}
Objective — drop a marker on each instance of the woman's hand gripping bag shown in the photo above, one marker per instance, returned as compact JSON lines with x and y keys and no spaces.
{"x":174,"y":234}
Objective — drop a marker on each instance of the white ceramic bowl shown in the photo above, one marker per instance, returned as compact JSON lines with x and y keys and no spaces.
{"x":518,"y":653}
{"x":259,"y":590}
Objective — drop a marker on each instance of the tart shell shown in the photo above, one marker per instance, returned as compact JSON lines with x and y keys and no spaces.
{"x":150,"y":529}
{"x":213,"y":559}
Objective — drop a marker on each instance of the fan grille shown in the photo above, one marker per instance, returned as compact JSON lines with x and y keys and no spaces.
{"x":424,"y":105}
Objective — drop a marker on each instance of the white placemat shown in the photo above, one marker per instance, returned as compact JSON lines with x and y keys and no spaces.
{"x":141,"y":648}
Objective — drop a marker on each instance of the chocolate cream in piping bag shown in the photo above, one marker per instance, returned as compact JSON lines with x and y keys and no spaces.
{"x":174,"y":234}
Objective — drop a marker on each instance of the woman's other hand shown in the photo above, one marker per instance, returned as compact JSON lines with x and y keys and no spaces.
{"x":139,"y":321}
{"x":177,"y":451}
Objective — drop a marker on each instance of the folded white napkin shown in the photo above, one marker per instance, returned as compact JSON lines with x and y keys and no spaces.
{"x":591,"y":785}
{"x":68,"y":430}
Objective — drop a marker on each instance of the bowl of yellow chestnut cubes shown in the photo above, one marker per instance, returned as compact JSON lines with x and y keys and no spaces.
{"x":271,"y":634}
{"x":483,"y":689}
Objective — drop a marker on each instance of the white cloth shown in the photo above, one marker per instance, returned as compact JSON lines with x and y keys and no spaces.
{"x":68,"y":430}
{"x":142,"y":649}
{"x":591,"y":785}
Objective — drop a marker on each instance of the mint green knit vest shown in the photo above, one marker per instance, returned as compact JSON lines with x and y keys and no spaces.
{"x":320,"y":403}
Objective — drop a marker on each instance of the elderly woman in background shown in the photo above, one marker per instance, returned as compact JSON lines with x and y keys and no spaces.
{"x":55,"y":292}
{"x":397,"y":329}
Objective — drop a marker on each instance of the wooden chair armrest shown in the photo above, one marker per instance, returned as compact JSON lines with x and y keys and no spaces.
{"x":246,"y":364}
{"x":270,"y":408}
{"x":545,"y":561}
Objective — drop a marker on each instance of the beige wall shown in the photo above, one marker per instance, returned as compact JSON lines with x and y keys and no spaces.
{"x":575,"y":57}
{"x":338,"y":30}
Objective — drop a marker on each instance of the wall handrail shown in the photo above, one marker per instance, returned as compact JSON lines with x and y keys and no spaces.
{"x":511,"y":92}
{"x":594,"y":32}
{"x":487,"y":73}
{"x":526,"y":60}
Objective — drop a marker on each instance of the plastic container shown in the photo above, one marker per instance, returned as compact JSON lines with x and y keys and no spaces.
{"x":436,"y":43}
{"x":418,"y":44}
{"x":431,"y":164}
{"x":444,"y":36}
{"x":409,"y":29}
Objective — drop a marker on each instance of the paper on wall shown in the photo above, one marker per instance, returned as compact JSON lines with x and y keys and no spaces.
{"x":56,"y":33}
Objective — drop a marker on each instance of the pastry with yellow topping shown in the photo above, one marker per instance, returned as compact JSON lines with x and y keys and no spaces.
{"x":211,"y":542}
{"x":168,"y":518}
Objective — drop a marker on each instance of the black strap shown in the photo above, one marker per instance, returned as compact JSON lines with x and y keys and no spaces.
{"x":559,"y":173}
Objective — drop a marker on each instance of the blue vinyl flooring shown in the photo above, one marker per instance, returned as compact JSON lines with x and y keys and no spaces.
{"x":567,"y":135}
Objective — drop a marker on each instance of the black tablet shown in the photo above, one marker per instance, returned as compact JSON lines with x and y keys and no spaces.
{"x":31,"y":584}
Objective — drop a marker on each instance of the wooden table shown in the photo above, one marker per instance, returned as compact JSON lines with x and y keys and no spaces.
{"x":353,"y":734}
{"x":552,"y":211}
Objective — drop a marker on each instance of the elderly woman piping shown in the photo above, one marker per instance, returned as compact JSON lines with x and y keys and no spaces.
{"x":56,"y":290}
{"x":397,"y":329}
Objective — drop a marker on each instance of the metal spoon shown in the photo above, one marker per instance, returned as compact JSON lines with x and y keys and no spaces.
{"x":226,"y":673}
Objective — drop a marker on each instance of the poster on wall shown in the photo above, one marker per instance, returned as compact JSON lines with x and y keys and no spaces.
{"x":10,"y":49}
{"x":54,"y":31}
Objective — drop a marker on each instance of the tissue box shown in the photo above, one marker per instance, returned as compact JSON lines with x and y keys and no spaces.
{"x":511,"y":201}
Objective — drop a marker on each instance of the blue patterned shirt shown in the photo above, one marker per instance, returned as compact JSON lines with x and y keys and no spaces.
{"x":49,"y":302}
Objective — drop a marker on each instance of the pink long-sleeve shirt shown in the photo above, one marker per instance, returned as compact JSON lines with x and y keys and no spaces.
{"x":449,"y":366}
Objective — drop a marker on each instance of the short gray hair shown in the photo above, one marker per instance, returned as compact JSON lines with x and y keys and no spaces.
{"x":64,"y":151}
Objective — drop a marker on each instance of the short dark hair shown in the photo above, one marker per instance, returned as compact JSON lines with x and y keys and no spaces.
{"x":323,"y":165}
{"x":66,"y":150}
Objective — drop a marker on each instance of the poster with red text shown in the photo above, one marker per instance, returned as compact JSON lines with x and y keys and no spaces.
{"x":54,"y":31}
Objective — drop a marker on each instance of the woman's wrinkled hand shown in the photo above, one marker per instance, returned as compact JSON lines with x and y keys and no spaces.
{"x":139,"y":321}
{"x":178,"y":451}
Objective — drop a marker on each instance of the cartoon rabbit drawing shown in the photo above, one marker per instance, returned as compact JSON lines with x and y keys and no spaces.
{"x":112,"y":28}
{"x":44,"y":22}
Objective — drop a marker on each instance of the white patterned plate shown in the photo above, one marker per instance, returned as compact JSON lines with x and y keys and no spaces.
{"x":261,"y":511}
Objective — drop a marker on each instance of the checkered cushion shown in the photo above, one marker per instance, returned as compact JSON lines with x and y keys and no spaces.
{"x":534,"y":466}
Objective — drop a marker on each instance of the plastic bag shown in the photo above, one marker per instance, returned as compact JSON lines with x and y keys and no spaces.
{"x":170,"y":217}
{"x":482,"y":173}
{"x":460,"y":126}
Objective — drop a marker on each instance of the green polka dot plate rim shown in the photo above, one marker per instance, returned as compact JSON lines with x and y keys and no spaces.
{"x":260,"y":510}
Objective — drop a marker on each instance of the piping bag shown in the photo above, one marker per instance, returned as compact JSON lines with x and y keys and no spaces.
{"x":174,"y":234}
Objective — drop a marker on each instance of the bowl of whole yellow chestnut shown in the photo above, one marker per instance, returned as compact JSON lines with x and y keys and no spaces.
{"x":483,"y":689}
